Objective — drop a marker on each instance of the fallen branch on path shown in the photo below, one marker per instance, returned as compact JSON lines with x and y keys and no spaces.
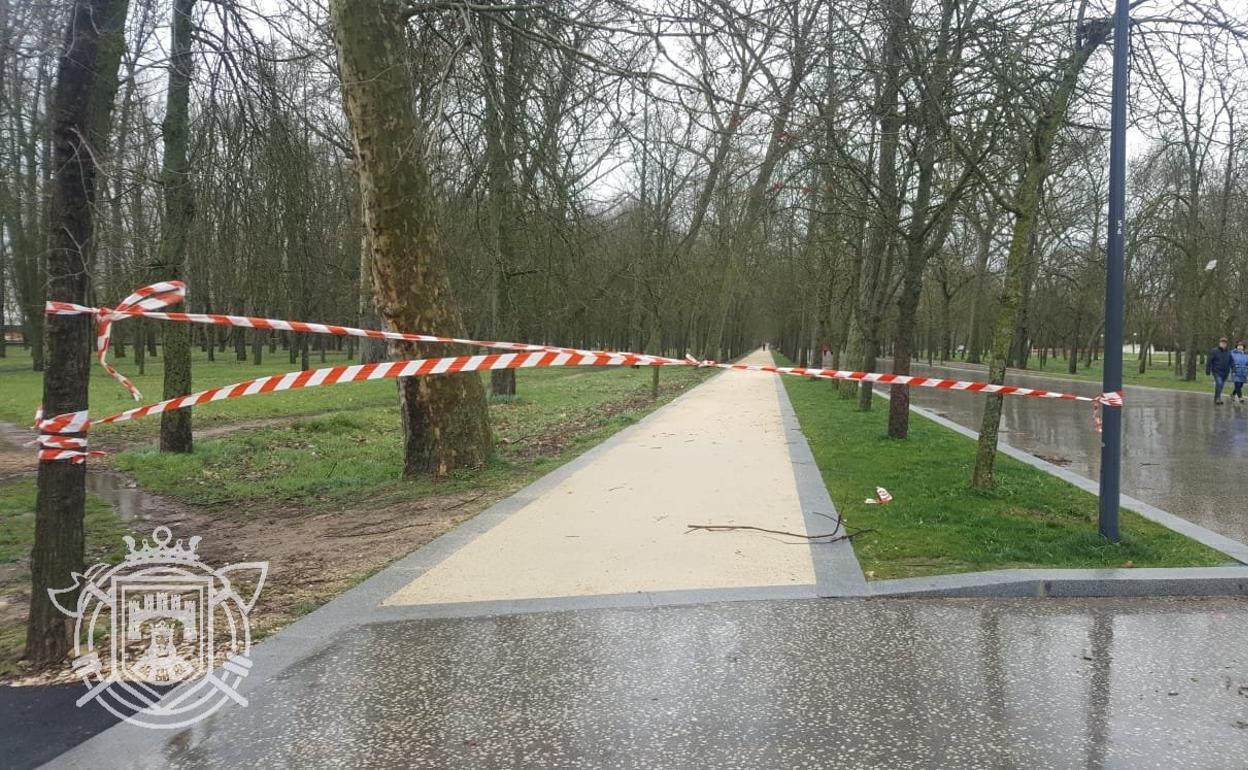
{"x":830,"y":537}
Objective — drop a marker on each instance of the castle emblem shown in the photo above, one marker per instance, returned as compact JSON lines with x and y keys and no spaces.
{"x":170,"y":619}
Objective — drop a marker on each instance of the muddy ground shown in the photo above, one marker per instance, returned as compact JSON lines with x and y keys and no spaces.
{"x":313,"y":556}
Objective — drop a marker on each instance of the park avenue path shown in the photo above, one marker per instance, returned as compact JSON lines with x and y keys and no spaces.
{"x":450,"y":658}
{"x":717,"y":455}
{"x":1181,"y":452}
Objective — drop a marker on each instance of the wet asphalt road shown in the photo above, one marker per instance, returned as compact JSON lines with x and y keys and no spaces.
{"x":784,"y":684}
{"x":1181,"y":453}
{"x":38,"y":723}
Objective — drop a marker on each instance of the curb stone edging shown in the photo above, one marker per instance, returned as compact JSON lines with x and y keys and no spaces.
{"x":1071,"y":583}
{"x":837,"y":571}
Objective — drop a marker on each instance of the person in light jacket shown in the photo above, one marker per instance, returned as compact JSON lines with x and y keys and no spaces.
{"x":1239,"y":371}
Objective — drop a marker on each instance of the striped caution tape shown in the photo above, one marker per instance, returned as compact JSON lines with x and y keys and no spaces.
{"x":147,"y":301}
{"x":63,"y":437}
{"x":1113,"y":399}
{"x":336,"y":375}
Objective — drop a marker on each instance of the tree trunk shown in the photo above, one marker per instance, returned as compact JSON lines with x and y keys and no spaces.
{"x":1027,"y":203}
{"x":445,"y":423}
{"x":1190,"y":357}
{"x":59,"y":507}
{"x":926,"y":233}
{"x":501,"y":70}
{"x":917,"y":254}
{"x":257,"y":346}
{"x":371,"y":350}
{"x":882,"y":239}
{"x":140,"y":345}
{"x":983,"y":251}
{"x":175,"y":424}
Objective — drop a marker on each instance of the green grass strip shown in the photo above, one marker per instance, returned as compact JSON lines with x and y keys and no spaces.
{"x":937,"y":524}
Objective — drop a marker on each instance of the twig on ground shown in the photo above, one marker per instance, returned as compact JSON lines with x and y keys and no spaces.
{"x":464,"y":502}
{"x":830,"y":537}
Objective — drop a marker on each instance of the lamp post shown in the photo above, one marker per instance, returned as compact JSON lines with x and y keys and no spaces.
{"x":1111,"y":429}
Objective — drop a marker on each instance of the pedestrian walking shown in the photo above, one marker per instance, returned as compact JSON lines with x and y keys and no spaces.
{"x":1218,"y":364}
{"x":1239,"y":371}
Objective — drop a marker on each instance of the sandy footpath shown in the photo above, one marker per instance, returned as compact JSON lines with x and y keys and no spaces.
{"x":717,"y":455}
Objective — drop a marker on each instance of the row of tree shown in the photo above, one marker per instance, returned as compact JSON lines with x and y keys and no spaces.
{"x":862,"y":178}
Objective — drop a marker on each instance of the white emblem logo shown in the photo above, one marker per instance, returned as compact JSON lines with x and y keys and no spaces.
{"x":165,"y":612}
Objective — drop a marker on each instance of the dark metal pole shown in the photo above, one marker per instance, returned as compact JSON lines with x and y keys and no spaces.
{"x":1111,"y":430}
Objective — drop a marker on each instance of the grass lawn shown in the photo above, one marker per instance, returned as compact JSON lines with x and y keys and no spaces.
{"x":17,"y":530}
{"x":357,"y":449}
{"x":937,"y":524}
{"x":23,"y":389}
{"x":1159,"y":375}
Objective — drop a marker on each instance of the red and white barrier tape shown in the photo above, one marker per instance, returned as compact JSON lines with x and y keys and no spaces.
{"x":53,"y":442}
{"x":147,"y":299}
{"x":1106,"y":399}
{"x":146,"y":303}
{"x":336,"y":375}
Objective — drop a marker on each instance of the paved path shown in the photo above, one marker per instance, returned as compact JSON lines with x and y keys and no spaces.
{"x":775,"y":685}
{"x":717,"y":455}
{"x":1181,"y":453}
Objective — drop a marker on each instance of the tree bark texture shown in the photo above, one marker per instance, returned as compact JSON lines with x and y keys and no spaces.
{"x":175,"y":424}
{"x":445,"y":423}
{"x":1027,"y":204}
{"x":59,"y":507}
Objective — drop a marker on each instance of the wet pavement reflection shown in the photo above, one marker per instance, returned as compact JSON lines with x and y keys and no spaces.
{"x":785,"y":685}
{"x":1181,"y":452}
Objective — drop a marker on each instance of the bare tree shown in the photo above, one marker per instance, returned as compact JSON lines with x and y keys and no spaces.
{"x":444,"y":419}
{"x":81,"y":103}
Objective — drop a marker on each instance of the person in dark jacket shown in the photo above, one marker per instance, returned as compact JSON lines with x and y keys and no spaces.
{"x":1239,"y":371}
{"x":1218,"y":364}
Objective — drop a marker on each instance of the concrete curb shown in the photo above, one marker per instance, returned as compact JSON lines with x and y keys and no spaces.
{"x":640,"y":600}
{"x":1195,"y":581}
{"x":837,"y":572}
